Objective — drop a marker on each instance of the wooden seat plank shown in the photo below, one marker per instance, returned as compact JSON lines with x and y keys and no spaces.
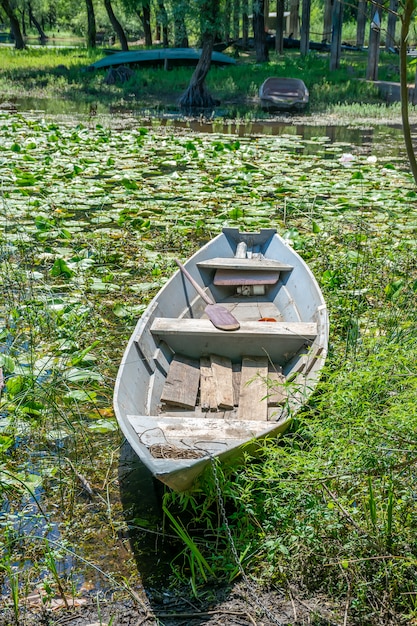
{"x":254,"y":263}
{"x":182,"y":382}
{"x":253,"y":403}
{"x":165,"y":326}
{"x":247,"y":277}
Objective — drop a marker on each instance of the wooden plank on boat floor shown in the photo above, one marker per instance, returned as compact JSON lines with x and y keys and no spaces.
{"x":208,"y":396}
{"x":253,"y":389}
{"x":236,"y":377}
{"x":277,"y":393}
{"x":223,"y":380}
{"x":182,"y":382}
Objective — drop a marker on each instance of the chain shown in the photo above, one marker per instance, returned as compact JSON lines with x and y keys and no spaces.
{"x":251,"y":589}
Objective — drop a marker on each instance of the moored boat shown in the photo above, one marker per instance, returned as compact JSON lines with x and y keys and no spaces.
{"x":283,"y":94}
{"x":159,"y":56}
{"x":187,"y":389}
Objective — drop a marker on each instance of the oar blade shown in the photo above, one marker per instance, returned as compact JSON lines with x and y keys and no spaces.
{"x":221,"y":318}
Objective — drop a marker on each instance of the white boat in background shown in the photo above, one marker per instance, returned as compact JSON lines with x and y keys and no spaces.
{"x":283,"y":94}
{"x":187,"y":390}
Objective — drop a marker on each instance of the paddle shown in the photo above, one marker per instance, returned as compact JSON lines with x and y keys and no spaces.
{"x":219,"y":316}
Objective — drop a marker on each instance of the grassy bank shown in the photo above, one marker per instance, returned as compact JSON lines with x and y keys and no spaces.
{"x":60,"y":74}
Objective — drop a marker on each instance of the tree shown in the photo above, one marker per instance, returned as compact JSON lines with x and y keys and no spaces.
{"x":335,"y":47}
{"x":91,"y":25}
{"x":36,"y":24}
{"x":180,"y":29}
{"x":409,"y":7}
{"x":374,"y":40}
{"x":259,"y":34}
{"x":305,"y":28}
{"x":392,"y":22}
{"x":279,"y":33}
{"x":145,"y":17}
{"x":19,"y":42}
{"x":197,"y":95}
{"x":118,"y":28}
{"x":245,"y":23}
{"x":162,"y":21}
{"x":361,"y":22}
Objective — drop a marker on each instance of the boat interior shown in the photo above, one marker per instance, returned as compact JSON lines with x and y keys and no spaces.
{"x":244,"y":374}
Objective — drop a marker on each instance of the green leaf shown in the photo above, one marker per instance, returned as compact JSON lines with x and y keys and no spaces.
{"x":7,"y":363}
{"x":61,"y":268}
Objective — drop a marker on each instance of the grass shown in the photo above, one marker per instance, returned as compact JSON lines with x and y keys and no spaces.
{"x":60,"y":74}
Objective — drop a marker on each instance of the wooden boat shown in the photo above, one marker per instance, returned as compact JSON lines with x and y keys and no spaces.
{"x":187,"y":391}
{"x":283,"y":94}
{"x":159,"y":56}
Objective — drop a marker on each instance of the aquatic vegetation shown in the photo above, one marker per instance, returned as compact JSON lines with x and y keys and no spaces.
{"x":94,"y":213}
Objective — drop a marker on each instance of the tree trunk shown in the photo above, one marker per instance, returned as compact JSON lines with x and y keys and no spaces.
{"x":197,"y":96}
{"x":327,"y":20}
{"x":91,"y":25}
{"x":392,"y":22}
{"x":227,"y":20}
{"x":236,"y":19}
{"x":294,"y":18}
{"x":374,"y":39}
{"x":34,"y":21}
{"x":259,"y":33}
{"x":305,"y":28}
{"x":118,"y":28}
{"x":145,"y":18}
{"x":279,"y":33}
{"x":245,"y":24}
{"x":405,"y":28}
{"x":335,"y":47}
{"x":163,"y":22}
{"x":180,"y":29}
{"x":361,"y":23}
{"x":19,"y":43}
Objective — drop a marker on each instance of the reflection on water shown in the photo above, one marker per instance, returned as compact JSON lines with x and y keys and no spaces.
{"x":377,"y":138}
{"x":141,"y":497}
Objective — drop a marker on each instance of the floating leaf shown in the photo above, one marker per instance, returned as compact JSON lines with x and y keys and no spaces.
{"x":61,"y":268}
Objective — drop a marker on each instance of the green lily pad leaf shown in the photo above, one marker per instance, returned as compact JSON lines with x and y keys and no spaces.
{"x":79,"y":395}
{"x":61,"y":268}
{"x":75,"y":374}
{"x":103,"y":426}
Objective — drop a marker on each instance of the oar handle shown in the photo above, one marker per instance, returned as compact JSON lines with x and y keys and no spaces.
{"x":196,"y":286}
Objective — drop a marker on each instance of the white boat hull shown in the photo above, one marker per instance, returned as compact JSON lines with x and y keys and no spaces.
{"x":176,"y":438}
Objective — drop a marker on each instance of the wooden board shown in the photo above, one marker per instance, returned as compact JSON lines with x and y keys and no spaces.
{"x":246,"y":277}
{"x":208,"y":397}
{"x":166,"y":326}
{"x":253,"y":389}
{"x":223,"y":379}
{"x":182,"y":382}
{"x":234,"y":263}
{"x":277,"y":393}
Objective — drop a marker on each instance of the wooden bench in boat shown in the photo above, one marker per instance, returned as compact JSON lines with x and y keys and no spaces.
{"x":167,"y":326}
{"x":253,"y":271}
{"x":197,"y":337}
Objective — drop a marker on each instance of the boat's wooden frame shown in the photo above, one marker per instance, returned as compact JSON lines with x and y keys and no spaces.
{"x":187,"y":391}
